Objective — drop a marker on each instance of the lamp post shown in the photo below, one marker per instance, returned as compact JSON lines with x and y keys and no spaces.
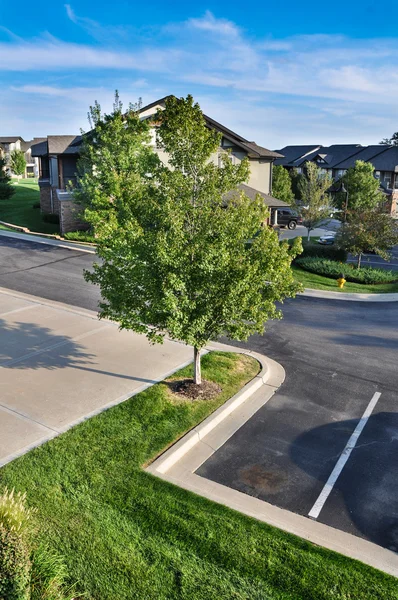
{"x":342,"y":189}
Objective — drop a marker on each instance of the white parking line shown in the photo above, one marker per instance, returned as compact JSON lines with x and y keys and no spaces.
{"x":323,"y":496}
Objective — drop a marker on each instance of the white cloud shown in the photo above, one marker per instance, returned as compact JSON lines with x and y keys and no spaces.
{"x":70,"y":13}
{"x":329,"y":84}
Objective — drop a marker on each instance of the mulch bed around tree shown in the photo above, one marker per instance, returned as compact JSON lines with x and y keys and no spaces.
{"x":187,"y":389}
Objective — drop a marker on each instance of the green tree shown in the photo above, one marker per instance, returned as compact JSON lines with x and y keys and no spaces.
{"x":282,"y":184}
{"x":316,"y":205}
{"x":296,"y":177}
{"x":189,"y":255}
{"x":392,"y":141}
{"x":17,"y":162}
{"x":362,"y":187}
{"x":6,"y":187}
{"x":114,"y":169}
{"x":369,"y":231}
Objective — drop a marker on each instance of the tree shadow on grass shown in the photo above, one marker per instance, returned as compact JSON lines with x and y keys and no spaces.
{"x":31,"y":346}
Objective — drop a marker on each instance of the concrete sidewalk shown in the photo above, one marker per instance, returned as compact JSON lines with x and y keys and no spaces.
{"x":61,"y":365}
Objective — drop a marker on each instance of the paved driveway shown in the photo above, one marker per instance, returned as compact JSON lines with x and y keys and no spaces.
{"x":341,"y":373}
{"x":59,"y":365}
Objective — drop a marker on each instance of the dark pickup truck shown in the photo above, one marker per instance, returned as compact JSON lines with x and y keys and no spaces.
{"x":287,"y":217}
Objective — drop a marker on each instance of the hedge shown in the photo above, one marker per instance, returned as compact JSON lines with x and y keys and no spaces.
{"x":328,"y":251}
{"x":333,"y":269}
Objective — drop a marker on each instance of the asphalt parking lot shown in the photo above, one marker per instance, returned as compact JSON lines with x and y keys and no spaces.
{"x":341,"y":361}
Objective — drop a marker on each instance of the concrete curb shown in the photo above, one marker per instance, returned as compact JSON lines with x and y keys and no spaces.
{"x":38,"y":239}
{"x":271,"y":373}
{"x":349,"y":296}
{"x":270,"y":370}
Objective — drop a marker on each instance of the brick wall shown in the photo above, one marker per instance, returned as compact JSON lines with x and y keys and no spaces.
{"x":45,"y":197}
{"x":69,"y":219}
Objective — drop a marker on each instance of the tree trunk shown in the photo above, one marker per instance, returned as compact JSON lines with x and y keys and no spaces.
{"x":308,"y":235}
{"x":197,"y":372}
{"x":359,"y":260}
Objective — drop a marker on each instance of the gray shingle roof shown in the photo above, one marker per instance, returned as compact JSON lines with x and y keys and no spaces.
{"x":291,"y":153}
{"x":40,"y":148}
{"x":64,"y":144}
{"x":365,"y":154}
{"x":387,"y":160}
{"x":331,"y":155}
{"x":9,"y":139}
{"x":252,"y":193}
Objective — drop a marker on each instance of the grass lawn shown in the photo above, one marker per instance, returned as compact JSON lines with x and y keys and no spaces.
{"x":319,"y":282}
{"x":125,"y":534}
{"x":19,"y":209}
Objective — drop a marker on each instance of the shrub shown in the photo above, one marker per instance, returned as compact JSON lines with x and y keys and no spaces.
{"x":51,"y":218}
{"x":14,"y":514}
{"x":14,"y":565}
{"x":333,"y":269}
{"x":36,"y":205}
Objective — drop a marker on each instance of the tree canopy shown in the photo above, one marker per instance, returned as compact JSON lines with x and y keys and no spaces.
{"x":282,"y":184}
{"x":17,"y":162}
{"x":392,"y":141}
{"x":316,"y":204}
{"x":369,"y":231}
{"x":363,"y":188}
{"x":6,"y":188}
{"x":183,"y":252}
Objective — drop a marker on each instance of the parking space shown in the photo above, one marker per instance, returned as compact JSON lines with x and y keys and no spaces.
{"x":326,"y":445}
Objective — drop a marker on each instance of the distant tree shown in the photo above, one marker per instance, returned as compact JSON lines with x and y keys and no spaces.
{"x":372,"y":231}
{"x":392,"y":141}
{"x":296,"y":177}
{"x":6,"y":187}
{"x":362,"y":187}
{"x":178,"y":257}
{"x":17,"y":162}
{"x":316,"y":204}
{"x":282,"y":184}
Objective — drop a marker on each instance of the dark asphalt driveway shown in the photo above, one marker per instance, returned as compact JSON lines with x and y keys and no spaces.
{"x":336,"y":356}
{"x":47,"y":271}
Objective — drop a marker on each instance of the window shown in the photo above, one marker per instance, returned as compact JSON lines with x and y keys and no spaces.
{"x":341,"y":172}
{"x":299,"y":170}
{"x":377,"y":174}
{"x":387,"y":179}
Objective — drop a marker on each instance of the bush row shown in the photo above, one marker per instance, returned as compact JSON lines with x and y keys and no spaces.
{"x":333,"y":269}
{"x":330,"y":252}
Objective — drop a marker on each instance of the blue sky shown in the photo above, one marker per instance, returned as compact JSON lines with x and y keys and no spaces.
{"x":277,"y":73}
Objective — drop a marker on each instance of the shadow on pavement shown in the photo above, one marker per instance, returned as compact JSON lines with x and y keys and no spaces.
{"x":30,"y":346}
{"x":366,"y":492}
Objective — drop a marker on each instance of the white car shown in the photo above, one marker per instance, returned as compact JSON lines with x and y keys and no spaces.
{"x":327,"y":239}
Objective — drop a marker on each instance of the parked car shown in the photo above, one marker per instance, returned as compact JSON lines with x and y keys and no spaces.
{"x":287,"y":217}
{"x":327,"y":239}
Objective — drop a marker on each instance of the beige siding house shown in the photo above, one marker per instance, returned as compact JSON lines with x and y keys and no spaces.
{"x":10,"y":143}
{"x":58,"y":156}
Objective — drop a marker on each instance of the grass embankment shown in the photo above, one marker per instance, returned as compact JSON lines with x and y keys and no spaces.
{"x":125,"y":534}
{"x":18,"y":210}
{"x":319,"y":282}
